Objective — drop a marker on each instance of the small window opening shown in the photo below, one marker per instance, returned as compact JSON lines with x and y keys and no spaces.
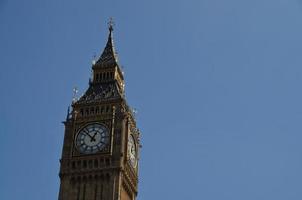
{"x":73,"y":165}
{"x":82,"y":112}
{"x":107,"y":161}
{"x":96,"y":163}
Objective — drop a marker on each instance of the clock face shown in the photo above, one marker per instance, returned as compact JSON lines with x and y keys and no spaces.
{"x":92,"y":138}
{"x":132,"y":151}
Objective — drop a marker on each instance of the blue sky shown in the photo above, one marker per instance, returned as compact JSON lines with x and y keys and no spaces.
{"x":217,"y":86}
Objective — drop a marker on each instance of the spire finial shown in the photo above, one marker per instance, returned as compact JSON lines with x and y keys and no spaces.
{"x":108,"y":57}
{"x":111,"y":24}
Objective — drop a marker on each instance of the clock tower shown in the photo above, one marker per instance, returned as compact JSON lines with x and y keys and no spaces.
{"x":101,"y":141}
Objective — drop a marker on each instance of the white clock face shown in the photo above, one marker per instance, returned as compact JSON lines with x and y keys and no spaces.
{"x":92,"y":138}
{"x":132,"y":151}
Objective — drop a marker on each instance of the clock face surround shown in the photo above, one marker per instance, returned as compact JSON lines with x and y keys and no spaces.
{"x":132,"y":151}
{"x":92,"y":138}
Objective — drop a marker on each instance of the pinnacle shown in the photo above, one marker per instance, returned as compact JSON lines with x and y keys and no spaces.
{"x":108,"y":57}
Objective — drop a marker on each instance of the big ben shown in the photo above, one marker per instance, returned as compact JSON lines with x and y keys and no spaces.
{"x":101,"y":140}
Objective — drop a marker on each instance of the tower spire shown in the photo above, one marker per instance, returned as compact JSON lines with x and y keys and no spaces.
{"x":108,"y":57}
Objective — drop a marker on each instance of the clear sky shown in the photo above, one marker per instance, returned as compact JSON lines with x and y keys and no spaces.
{"x":217,"y":85}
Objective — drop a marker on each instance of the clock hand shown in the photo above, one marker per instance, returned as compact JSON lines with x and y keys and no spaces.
{"x":95,"y":134}
{"x":93,"y":137}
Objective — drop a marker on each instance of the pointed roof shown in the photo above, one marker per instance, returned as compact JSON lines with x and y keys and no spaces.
{"x":108,"y":57}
